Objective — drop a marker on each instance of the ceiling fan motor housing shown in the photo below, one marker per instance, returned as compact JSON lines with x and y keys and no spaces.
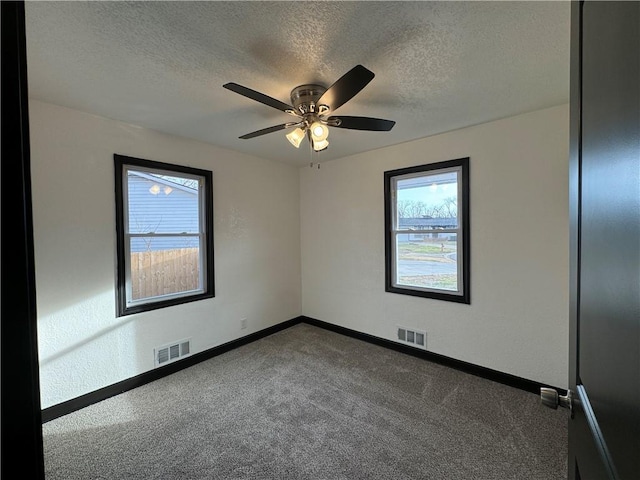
{"x":304,"y":99}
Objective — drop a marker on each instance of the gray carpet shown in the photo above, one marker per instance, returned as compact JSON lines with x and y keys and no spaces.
{"x":306,"y":403}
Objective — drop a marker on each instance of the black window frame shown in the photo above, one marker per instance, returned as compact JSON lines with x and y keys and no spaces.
{"x":464,"y":225}
{"x":208,"y":289}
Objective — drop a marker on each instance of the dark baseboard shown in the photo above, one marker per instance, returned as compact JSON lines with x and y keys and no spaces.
{"x":487,"y":373}
{"x":96,"y":396}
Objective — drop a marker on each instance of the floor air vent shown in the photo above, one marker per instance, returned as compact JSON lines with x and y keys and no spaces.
{"x":416,"y":338}
{"x":171,"y":352}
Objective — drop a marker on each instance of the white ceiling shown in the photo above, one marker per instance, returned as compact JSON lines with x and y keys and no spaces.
{"x":439,"y":66}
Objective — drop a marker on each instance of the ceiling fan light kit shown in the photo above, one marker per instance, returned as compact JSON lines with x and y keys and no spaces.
{"x":312,"y":104}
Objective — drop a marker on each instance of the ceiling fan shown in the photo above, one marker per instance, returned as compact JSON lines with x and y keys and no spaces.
{"x":312,"y":105}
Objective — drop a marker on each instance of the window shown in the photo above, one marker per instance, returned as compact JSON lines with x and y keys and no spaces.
{"x":164,"y":226}
{"x":427,"y":230}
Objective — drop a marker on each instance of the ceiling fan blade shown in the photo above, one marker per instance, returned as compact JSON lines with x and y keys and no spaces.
{"x":363,"y":123}
{"x":264,"y":131}
{"x":346,"y":87}
{"x":259,"y":97}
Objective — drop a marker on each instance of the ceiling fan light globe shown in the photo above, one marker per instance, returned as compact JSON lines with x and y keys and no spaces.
{"x":295,"y":137}
{"x":320,"y":145}
{"x":319,"y":132}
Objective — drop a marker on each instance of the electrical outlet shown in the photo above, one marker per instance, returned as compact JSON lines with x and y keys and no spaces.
{"x":243,"y":323}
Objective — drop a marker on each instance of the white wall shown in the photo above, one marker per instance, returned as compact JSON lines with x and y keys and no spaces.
{"x":267,"y":214}
{"x":517,"y":322}
{"x":83,"y":346}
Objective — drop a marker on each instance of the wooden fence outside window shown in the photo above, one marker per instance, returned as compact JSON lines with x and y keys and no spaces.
{"x":164,"y":272}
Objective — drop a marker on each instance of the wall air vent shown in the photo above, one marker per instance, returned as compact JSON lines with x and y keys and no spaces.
{"x":171,"y":352}
{"x":415,"y":338}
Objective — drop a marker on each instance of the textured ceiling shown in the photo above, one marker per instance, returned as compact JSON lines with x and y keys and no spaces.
{"x":439,"y":66}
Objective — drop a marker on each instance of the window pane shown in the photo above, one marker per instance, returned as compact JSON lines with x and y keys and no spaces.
{"x":427,"y":202}
{"x":162,"y":204}
{"x":149,"y":243}
{"x":162,"y":270}
{"x":427,"y":261}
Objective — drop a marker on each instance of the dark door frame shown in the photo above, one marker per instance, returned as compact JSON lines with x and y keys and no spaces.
{"x":587,"y":445}
{"x":22,"y":448}
{"x":575,"y":140}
